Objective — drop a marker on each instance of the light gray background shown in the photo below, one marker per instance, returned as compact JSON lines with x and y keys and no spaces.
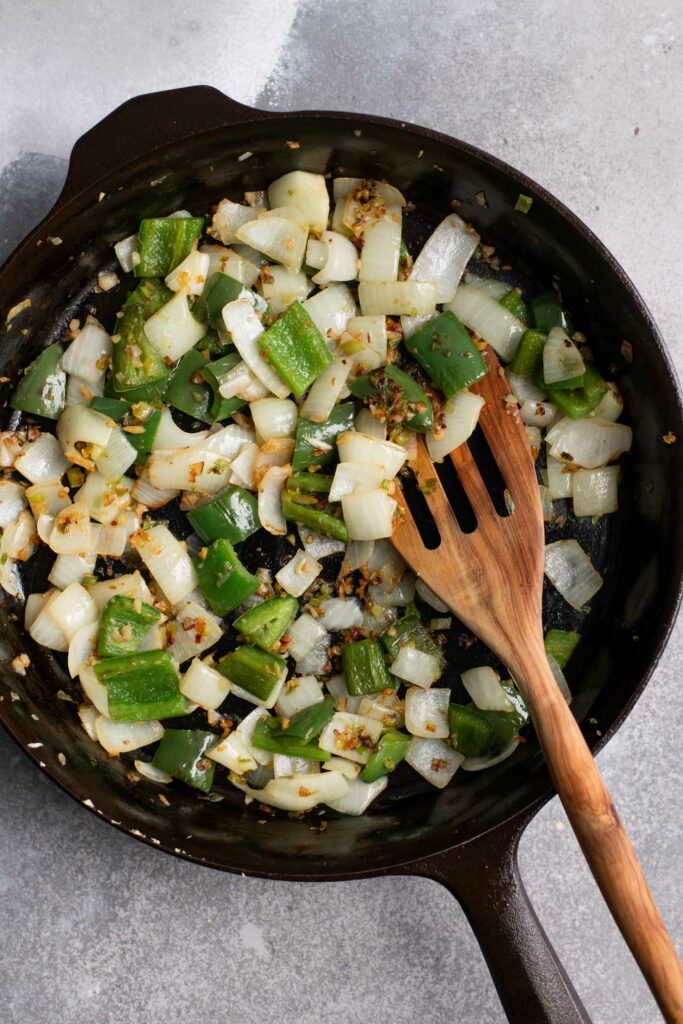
{"x":585,"y":98}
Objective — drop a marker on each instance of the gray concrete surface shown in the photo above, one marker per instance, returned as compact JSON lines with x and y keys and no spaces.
{"x":585,"y":97}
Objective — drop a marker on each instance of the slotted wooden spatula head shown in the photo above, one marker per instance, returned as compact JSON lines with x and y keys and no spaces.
{"x":492,"y":578}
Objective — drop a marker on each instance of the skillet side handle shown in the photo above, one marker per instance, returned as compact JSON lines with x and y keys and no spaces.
{"x":145,"y":123}
{"x":483,"y":875}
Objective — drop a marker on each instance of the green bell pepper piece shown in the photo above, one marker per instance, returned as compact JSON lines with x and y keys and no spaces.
{"x":265,"y":623}
{"x":221,"y":408}
{"x":223,"y":580}
{"x":310,"y":483}
{"x":266,"y":736}
{"x":529,"y":354}
{"x":296,"y":348}
{"x":546,"y":312}
{"x":218,"y":291}
{"x":254,"y":670}
{"x":164,"y":242}
{"x":506,"y":724}
{"x":409,"y":632}
{"x":187,"y":390}
{"x":391,"y":750}
{"x":136,"y":364}
{"x":121,"y":411}
{"x":317,"y":515}
{"x":181,"y":754}
{"x":515,"y":304}
{"x":309,"y":434}
{"x":578,"y":402}
{"x":444,"y":349}
{"x":42,"y":389}
{"x":214,"y":343}
{"x":398,"y":395}
{"x":141,"y":686}
{"x":123,"y":626}
{"x":471,"y":732}
{"x":307,"y":724}
{"x":365,"y":668}
{"x":560,"y":644}
{"x":232,"y":514}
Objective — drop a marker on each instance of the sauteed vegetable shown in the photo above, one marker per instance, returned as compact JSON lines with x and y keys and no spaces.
{"x":275,"y":380}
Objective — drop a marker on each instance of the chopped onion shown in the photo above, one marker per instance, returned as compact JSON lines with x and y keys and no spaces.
{"x":369,"y":515}
{"x":445,"y":255}
{"x":355,"y":447}
{"x":71,"y":533}
{"x":317,"y":545}
{"x":307,"y":191}
{"x":203,"y":685}
{"x":386,"y":563}
{"x":131,"y":585}
{"x":48,"y":498}
{"x":434,"y":760}
{"x":298,"y":793}
{"x":360,"y":796}
{"x":72,"y":609}
{"x":346,"y":768}
{"x":194,"y":469}
{"x":245,"y":730}
{"x":148,"y":495}
{"x":45,"y":631}
{"x":195,"y":630}
{"x":19,"y":538}
{"x":610,"y":406}
{"x":571,"y":572}
{"x":588,"y":443}
{"x":109,"y":540}
{"x":71,"y":569}
{"x":243,"y":467}
{"x":546,"y":504}
{"x":386,"y":707}
{"x":381,"y":247}
{"x":351,"y":477}
{"x":316,"y":661}
{"x":118,"y":456}
{"x":523,"y":388}
{"x":358,"y":554}
{"x":340,"y":613}
{"x":233,"y":753}
{"x":331,"y":309}
{"x":284,"y":767}
{"x":270,"y":490}
{"x":167,"y":560}
{"x":82,"y":648}
{"x":244,"y":327}
{"x":393,"y":595}
{"x":240,"y":382}
{"x":276,"y":452}
{"x":122,"y":737}
{"x":559,"y":479}
{"x":365,"y":342}
{"x":190,"y":275}
{"x":595,"y":491}
{"x":298,"y":694}
{"x":232,"y":263}
{"x":152,"y":774}
{"x":153,"y":640}
{"x":282,"y":287}
{"x":491,"y":321}
{"x":89,"y":353}
{"x":81,"y":425}
{"x":230,"y":440}
{"x":340,"y":259}
{"x":342,"y":187}
{"x":316,"y":253}
{"x":461,"y":415}
{"x":416,"y":667}
{"x":485,"y":689}
{"x":170,"y":435}
{"x":173,"y":330}
{"x":537,"y":414}
{"x":228,"y":218}
{"x":496,"y":289}
{"x":279,"y":238}
{"x":124,"y":252}
{"x":42,"y":460}
{"x":365,"y":423}
{"x":397,"y":298}
{"x":326,"y":391}
{"x":274,"y":417}
{"x":426,"y":712}
{"x":559,"y":678}
{"x":533,"y":436}
{"x":297,"y":575}
{"x":34,"y":605}
{"x":478,"y":764}
{"x":561,"y":358}
{"x":350,"y":736}
{"x":88,"y":716}
{"x":429,"y":597}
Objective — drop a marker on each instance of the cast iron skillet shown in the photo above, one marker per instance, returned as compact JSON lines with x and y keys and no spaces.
{"x":181,"y":148}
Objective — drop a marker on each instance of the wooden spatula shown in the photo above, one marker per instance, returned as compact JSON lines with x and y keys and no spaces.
{"x":492,"y":580}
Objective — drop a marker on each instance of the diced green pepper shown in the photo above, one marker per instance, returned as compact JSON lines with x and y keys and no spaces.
{"x":506,"y":724}
{"x":218,"y":291}
{"x":471,"y":732}
{"x":214,"y":343}
{"x":232,"y":514}
{"x":365,"y":668}
{"x":409,"y":632}
{"x":529,"y":354}
{"x":144,"y":416}
{"x":164,"y":242}
{"x":515,"y":304}
{"x":223,"y":580}
{"x":141,"y":687}
{"x":398,"y":395}
{"x":309,"y":435}
{"x":317,"y":515}
{"x":123,"y":626}
{"x":579,"y":402}
{"x":187,"y":390}
{"x":446,"y":352}
{"x":560,"y":644}
{"x":546,"y":312}
{"x":42,"y":389}
{"x":391,"y":750}
{"x":312,"y":483}
{"x":266,"y":736}
{"x":265,"y":623}
{"x":221,"y":408}
{"x":181,"y":754}
{"x":136,"y":364}
{"x":254,"y":670}
{"x":296,"y":348}
{"x":307,"y":724}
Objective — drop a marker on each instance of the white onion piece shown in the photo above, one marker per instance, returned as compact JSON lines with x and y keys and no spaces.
{"x":326,"y":391}
{"x":45,"y":631}
{"x":131,"y":585}
{"x":243,"y":467}
{"x":274,"y":417}
{"x":233,"y":753}
{"x":46,"y":499}
{"x":34,"y":605}
{"x":19,"y":538}
{"x":595,"y":491}
{"x":285,"y":767}
{"x":276,"y":452}
{"x":546,"y":504}
{"x":42,"y":460}
{"x":331,"y":309}
{"x":279,"y":238}
{"x":571,"y":572}
{"x":426,"y":712}
{"x":307,"y":191}
{"x":376,"y":620}
{"x":387,"y":707}
{"x":232,"y":263}
{"x":397,"y":298}
{"x":610,"y":406}
{"x":81,"y":425}
{"x":230,"y":440}
{"x":195,"y":630}
{"x":369,"y":515}
{"x":109,"y":540}
{"x":429,"y":597}
{"x":167,"y":560}
{"x":282,"y":287}
{"x":478,"y":764}
{"x":523,"y":388}
{"x":358,"y":554}
{"x":355,"y":447}
{"x":434,"y":760}
{"x":342,"y":187}
{"x":559,"y":479}
{"x":89,"y":353}
{"x":445,"y":255}
{"x":270,"y":490}
{"x":316,"y":661}
{"x":305,"y":634}
{"x":485,"y":689}
{"x":11,"y":444}
{"x":533,"y":436}
{"x":416,"y":667}
{"x":393,"y":595}
{"x":173,"y":330}
{"x":297,"y":694}
{"x":82,"y":648}
{"x":365,"y":342}
{"x":118,"y":456}
{"x":122,"y":737}
{"x":298,"y":793}
{"x":491,"y":321}
{"x":317,"y":545}
{"x":360,"y":796}
{"x":461,"y":415}
{"x":10,"y":580}
{"x":240,"y":382}
{"x":203,"y":685}
{"x":355,"y":477}
{"x":170,"y":435}
{"x":72,"y":609}
{"x":153,"y":640}
{"x":340,"y":613}
{"x":386,"y":562}
{"x":365,"y":423}
{"x":195,"y":469}
{"x":228,"y":218}
{"x":350,"y":736}
{"x":538,"y":414}
{"x":381,"y":247}
{"x":124,"y":252}
{"x":71,"y":533}
{"x":88,"y":715}
{"x":561,"y":358}
{"x":245,"y":730}
{"x":559,"y":678}
{"x":348,"y":769}
{"x":190,"y":275}
{"x":152,"y":774}
{"x":341,"y":259}
{"x":496,"y":289}
{"x":297,"y":575}
{"x":244,"y":327}
{"x":71,"y":569}
{"x":316,"y":253}
{"x":588,"y":443}
{"x":152,"y":497}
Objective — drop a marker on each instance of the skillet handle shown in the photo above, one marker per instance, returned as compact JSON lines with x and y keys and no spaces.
{"x":483,"y":875}
{"x":145,"y":123}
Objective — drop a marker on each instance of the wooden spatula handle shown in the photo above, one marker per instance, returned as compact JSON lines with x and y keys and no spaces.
{"x":598,"y":827}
